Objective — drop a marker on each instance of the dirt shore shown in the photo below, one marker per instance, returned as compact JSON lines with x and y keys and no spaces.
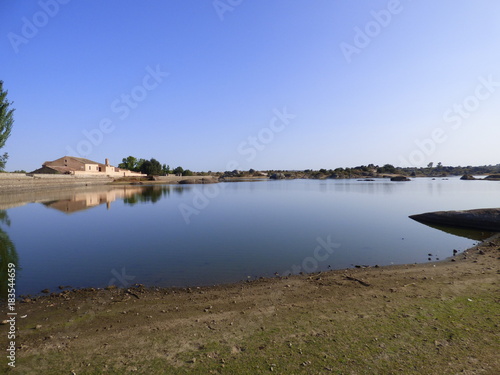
{"x":433,"y":318}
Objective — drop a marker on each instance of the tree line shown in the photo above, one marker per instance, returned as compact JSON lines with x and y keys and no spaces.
{"x":371,"y":170}
{"x":151,"y":167}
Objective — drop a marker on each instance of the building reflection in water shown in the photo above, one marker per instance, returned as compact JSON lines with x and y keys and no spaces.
{"x":79,"y":201}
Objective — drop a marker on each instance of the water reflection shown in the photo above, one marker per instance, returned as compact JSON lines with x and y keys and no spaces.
{"x":79,"y":201}
{"x":365,"y":187}
{"x":71,"y":200}
{"x":8,"y":254}
{"x":149,"y":194}
{"x":248,"y":228}
{"x":471,"y":234}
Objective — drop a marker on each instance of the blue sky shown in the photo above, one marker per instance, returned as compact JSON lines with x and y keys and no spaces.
{"x":263,"y":84}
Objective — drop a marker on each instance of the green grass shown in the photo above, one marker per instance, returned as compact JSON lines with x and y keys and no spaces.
{"x":415,"y":336}
{"x":437,"y":336}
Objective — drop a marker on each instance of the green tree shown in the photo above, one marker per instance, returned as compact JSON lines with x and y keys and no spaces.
{"x":146,"y":167}
{"x":178,"y":170}
{"x":129,"y":163}
{"x":165,"y":169}
{"x":138,"y":166}
{"x":151,"y":167}
{"x":387,"y":168}
{"x":6,"y":122}
{"x":156,"y":168}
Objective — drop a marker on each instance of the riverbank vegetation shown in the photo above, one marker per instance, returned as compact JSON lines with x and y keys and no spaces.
{"x":6,"y":123}
{"x":154,"y":167}
{"x":151,"y":167}
{"x":367,"y":171}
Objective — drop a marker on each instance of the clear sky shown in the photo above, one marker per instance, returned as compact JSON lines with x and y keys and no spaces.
{"x":263,"y":84}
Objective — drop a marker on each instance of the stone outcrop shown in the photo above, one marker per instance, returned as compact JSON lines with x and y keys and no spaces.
{"x":198,"y":181}
{"x":467,"y":177}
{"x":277,"y":176}
{"x":493,"y":177}
{"x":482,"y":219}
{"x":400,"y":178}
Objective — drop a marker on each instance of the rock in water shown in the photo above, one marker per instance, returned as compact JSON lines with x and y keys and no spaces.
{"x":400,"y":178}
{"x":467,"y":177}
{"x":483,"y":219}
{"x":277,"y":176}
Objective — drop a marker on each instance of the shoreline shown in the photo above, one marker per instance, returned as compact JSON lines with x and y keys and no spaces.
{"x":288,"y":323}
{"x":31,"y":183}
{"x":453,"y":258}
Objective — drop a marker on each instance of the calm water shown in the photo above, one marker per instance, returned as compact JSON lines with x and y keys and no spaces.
{"x":207,"y":234}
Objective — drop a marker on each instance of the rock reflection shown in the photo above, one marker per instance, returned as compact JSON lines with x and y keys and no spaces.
{"x":472,"y":234}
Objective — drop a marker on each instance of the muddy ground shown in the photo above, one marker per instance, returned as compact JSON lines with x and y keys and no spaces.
{"x":433,"y":318}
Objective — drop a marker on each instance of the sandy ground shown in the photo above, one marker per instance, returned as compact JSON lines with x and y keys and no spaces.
{"x":433,"y":318}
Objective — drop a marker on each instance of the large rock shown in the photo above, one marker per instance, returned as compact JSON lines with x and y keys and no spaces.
{"x":198,"y":181}
{"x":277,"y":176}
{"x":400,"y":178}
{"x":482,"y":219}
{"x":467,"y":177}
{"x":493,"y":177}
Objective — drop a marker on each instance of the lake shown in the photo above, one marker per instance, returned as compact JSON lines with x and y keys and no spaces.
{"x":194,"y":235}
